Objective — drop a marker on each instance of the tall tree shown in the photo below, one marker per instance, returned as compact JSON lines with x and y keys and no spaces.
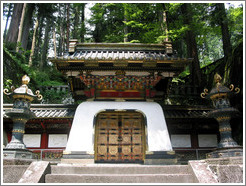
{"x":30,"y":63}
{"x":82,"y":30}
{"x":227,"y":47}
{"x":54,"y":40}
{"x":68,"y":25}
{"x":191,"y":44}
{"x":15,"y":22}
{"x":125,"y":5}
{"x":27,"y":24}
{"x":163,"y":20}
{"x":76,"y":21}
{"x":21,"y":27}
{"x":10,"y":6}
{"x":45,"y":44}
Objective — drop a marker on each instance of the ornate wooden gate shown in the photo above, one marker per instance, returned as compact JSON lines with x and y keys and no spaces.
{"x":120,"y":137}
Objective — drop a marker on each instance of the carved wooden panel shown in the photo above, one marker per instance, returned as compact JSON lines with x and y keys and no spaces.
{"x":120,"y":137}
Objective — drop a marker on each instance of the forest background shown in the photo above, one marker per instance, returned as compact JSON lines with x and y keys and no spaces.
{"x":209,"y":33}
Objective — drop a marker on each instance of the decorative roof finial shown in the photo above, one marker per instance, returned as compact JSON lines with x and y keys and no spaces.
{"x":25,"y":79}
{"x":217,"y":78}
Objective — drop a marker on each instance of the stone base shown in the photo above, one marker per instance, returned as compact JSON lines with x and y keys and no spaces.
{"x":17,"y":154}
{"x":77,"y":157}
{"x":237,"y":160}
{"x":151,"y":158}
{"x":160,"y":158}
{"x":77,"y":161}
{"x":225,"y":152}
{"x":15,"y":161}
{"x":227,"y":169}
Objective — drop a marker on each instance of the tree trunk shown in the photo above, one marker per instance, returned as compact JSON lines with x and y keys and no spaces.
{"x":45,"y":45}
{"x":54,"y":39}
{"x":68,"y":25}
{"x":7,"y":20}
{"x":227,"y":47}
{"x":33,"y":43}
{"x":82,"y":30}
{"x":163,"y":21}
{"x":21,"y":27}
{"x":14,"y":25}
{"x":37,"y":51}
{"x":125,"y":26}
{"x":191,"y":46}
{"x":76,"y":23}
{"x":59,"y":26}
{"x":27,"y":24}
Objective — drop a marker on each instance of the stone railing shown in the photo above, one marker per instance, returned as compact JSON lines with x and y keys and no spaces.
{"x":184,"y":90}
{"x":59,"y":88}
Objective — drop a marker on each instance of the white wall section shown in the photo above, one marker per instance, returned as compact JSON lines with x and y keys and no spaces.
{"x":81,"y":136}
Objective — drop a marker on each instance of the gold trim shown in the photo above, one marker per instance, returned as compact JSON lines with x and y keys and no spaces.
{"x":226,"y":129}
{"x":20,"y":119}
{"x":16,"y":96}
{"x":218,"y":95}
{"x":18,"y":131}
{"x":223,"y":118}
{"x":171,"y":152}
{"x":67,"y":152}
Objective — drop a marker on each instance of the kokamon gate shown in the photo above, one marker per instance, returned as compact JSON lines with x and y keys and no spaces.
{"x":120,"y":137}
{"x":119,"y":76}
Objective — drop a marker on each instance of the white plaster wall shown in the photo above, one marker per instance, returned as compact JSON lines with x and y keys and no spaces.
{"x":181,"y":140}
{"x":5,"y":138}
{"x":81,"y":137}
{"x":207,"y":140}
{"x":57,"y":140}
{"x":32,"y":140}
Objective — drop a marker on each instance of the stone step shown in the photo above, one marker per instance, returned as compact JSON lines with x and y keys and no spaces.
{"x":118,"y":178}
{"x":13,"y":173}
{"x":119,"y":169}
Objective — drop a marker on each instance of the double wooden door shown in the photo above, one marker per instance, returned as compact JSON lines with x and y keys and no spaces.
{"x":120,"y":137}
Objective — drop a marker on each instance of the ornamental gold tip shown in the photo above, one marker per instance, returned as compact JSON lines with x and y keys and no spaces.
{"x":231,"y":87}
{"x":237,"y":90}
{"x":204,"y":93}
{"x":40,"y":97}
{"x":217,"y":78}
{"x":25,"y":79}
{"x":6,"y":91}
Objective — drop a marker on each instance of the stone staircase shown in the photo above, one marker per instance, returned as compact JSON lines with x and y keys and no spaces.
{"x":118,"y":173}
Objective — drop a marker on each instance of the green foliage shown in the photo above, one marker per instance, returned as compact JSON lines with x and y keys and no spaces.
{"x":48,"y":77}
{"x":7,"y":83}
{"x":51,"y":96}
{"x":144,"y":23}
{"x":235,"y":16}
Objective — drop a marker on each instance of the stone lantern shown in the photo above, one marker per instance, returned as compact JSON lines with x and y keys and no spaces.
{"x":223,"y":112}
{"x":20,"y":114}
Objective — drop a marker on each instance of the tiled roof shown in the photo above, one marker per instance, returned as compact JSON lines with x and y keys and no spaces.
{"x":47,"y":110}
{"x":119,"y":51}
{"x":118,"y":55}
{"x":44,"y":111}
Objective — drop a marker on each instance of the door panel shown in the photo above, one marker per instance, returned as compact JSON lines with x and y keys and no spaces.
{"x":120,"y":137}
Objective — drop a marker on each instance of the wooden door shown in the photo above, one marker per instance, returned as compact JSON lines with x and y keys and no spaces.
{"x":120,"y":137}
